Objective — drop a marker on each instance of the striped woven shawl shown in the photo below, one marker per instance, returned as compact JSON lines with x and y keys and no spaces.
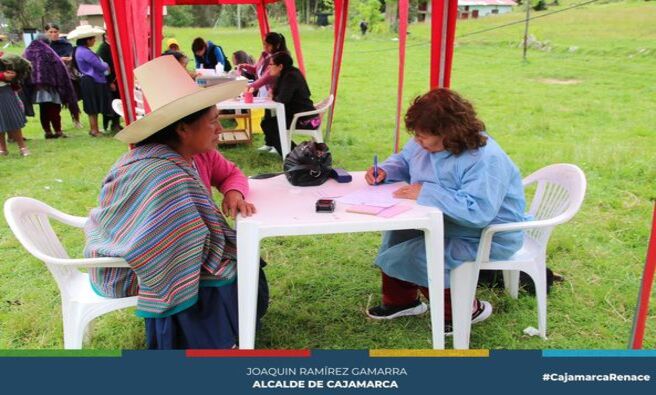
{"x":156,"y":214}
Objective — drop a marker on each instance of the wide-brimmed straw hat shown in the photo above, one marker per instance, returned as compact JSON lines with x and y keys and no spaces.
{"x":84,"y":31}
{"x":172,"y":95}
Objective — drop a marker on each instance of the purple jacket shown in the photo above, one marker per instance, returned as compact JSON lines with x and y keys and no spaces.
{"x":48,"y":71}
{"x":89,"y":64}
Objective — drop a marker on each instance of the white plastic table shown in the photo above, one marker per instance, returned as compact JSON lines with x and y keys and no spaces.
{"x":278,"y":108}
{"x":286,"y":210}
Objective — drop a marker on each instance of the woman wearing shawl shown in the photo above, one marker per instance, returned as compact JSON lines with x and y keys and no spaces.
{"x":12,"y":116}
{"x":156,"y":212}
{"x":50,"y":86}
{"x":64,"y":50}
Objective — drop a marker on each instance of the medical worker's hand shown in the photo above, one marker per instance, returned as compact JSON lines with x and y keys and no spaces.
{"x":233,"y":203}
{"x":369,"y":177}
{"x":408,"y":192}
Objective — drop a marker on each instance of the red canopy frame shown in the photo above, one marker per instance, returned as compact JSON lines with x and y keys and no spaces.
{"x":135,"y":29}
{"x":443,"y":27}
{"x":137,"y":38}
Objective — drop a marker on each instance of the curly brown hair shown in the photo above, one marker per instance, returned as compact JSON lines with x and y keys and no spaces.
{"x":442,"y":112}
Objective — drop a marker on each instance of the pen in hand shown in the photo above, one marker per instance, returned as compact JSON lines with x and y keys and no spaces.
{"x":375,"y":169}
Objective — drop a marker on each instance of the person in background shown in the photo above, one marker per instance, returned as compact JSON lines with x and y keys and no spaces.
{"x":172,"y":45}
{"x":93,"y":83}
{"x":65,"y":51}
{"x":292,"y":90}
{"x":242,"y":58}
{"x":183,"y":60}
{"x":208,"y":55}
{"x":111,"y":117}
{"x":454,"y":165}
{"x":273,"y":43}
{"x":363,"y":27}
{"x":12,"y":117}
{"x":181,"y":250}
{"x":50,"y":86}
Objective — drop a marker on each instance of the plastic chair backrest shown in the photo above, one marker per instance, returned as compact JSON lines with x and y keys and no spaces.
{"x":558,"y":197}
{"x":29,"y":219}
{"x":117,"y":106}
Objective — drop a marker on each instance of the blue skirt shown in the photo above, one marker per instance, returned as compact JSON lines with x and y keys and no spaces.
{"x":209,"y":324}
{"x":12,"y":116}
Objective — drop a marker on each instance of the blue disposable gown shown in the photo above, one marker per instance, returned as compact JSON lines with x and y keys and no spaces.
{"x":474,"y":189}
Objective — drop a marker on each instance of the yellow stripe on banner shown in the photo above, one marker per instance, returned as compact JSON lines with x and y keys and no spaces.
{"x":429,"y":353}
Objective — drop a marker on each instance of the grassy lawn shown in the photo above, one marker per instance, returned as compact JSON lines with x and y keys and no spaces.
{"x":587,"y":98}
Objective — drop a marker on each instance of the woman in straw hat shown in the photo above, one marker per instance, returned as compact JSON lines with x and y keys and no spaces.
{"x":93,"y":83}
{"x":156,"y":211}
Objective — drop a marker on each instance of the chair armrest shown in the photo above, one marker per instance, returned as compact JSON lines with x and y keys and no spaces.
{"x":87,"y":262}
{"x":484,"y":247}
{"x":298,"y":115}
{"x":71,"y":220}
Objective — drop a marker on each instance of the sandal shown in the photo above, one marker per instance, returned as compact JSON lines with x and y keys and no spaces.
{"x":95,"y":134}
{"x":25,"y":152}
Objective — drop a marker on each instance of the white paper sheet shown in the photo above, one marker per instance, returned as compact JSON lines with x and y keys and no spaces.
{"x":373,"y":195}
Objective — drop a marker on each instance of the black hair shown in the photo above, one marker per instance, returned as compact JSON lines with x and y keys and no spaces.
{"x":242,"y":57}
{"x":176,"y":54}
{"x":169,"y":134}
{"x":51,"y":25}
{"x":285,"y":60}
{"x":198,"y":44}
{"x":277,"y":41}
{"x":82,"y":42}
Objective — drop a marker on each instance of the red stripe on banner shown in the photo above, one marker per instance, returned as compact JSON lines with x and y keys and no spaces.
{"x":248,"y":353}
{"x":640,"y":319}
{"x":403,"y":34}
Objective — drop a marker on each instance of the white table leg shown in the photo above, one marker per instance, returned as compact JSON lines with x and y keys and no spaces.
{"x":434,"y":239}
{"x":285,"y":143}
{"x":248,"y":258}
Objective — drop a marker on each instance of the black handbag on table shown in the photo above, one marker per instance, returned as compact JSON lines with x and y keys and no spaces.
{"x":308,"y":164}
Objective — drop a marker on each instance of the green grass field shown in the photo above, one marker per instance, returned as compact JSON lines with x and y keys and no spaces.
{"x":587,"y":99}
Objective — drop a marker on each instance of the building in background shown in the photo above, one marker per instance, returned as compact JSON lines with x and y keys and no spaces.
{"x":92,"y":14}
{"x":469,"y":8}
{"x":478,"y":8}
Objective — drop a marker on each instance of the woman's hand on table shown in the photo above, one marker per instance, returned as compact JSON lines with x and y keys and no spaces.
{"x":234,"y":203}
{"x":408,"y":192}
{"x":369,"y":176}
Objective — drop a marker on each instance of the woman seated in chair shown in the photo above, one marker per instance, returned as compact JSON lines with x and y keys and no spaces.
{"x":292,"y":90}
{"x":156,"y":211}
{"x":454,"y":165}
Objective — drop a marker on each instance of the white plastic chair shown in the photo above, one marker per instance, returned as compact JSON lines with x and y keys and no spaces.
{"x":29,"y":219}
{"x":117,"y":106}
{"x":316,"y":134}
{"x":558,"y":197}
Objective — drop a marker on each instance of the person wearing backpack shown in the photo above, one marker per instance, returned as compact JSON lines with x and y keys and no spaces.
{"x":208,"y":55}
